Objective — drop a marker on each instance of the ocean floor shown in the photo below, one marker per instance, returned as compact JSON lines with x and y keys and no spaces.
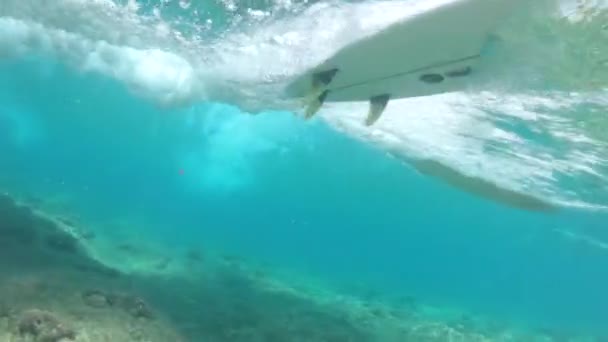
{"x":60,"y":281}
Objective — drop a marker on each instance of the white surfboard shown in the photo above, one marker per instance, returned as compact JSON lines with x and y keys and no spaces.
{"x":432,"y":52}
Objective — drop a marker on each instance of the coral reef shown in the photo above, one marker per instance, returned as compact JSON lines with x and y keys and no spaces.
{"x":44,"y":326}
{"x":45,"y":276}
{"x":57,"y":285}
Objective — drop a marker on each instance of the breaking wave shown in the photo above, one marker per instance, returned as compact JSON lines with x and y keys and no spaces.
{"x":530,"y":133}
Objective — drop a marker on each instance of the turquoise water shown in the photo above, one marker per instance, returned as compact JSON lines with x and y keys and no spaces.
{"x":166,"y":136}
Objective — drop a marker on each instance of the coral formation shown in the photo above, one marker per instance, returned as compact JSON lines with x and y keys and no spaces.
{"x":80,"y":296}
{"x":134,"y":305}
{"x":44,"y":326}
{"x":45,"y":276}
{"x":96,"y":299}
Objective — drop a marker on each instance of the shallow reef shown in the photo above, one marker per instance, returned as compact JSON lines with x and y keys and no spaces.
{"x":44,"y":326}
{"x":52,"y":290}
{"x":56,"y":286}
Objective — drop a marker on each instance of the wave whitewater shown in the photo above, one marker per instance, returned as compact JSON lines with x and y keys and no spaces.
{"x":531,"y":134}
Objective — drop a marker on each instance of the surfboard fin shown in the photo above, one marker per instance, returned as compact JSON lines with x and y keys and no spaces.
{"x":377,"y":104}
{"x":315,"y":105}
{"x":320,"y":81}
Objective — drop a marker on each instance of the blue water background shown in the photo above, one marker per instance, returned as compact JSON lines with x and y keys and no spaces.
{"x":295,"y":194}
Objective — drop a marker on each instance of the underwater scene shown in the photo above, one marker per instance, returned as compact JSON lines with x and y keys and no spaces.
{"x":158,"y":184}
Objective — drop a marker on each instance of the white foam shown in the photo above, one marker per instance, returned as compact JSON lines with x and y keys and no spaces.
{"x":229,"y":156}
{"x":156,"y":74}
{"x":458,"y":130}
{"x":249,"y":65}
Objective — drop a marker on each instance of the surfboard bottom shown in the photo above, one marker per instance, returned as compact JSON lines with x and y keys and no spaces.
{"x":431,"y":80}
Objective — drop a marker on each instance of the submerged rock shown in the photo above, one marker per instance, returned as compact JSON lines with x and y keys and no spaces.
{"x":134,"y":305}
{"x":96,"y":299}
{"x":44,"y":326}
{"x":137,"y":307}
